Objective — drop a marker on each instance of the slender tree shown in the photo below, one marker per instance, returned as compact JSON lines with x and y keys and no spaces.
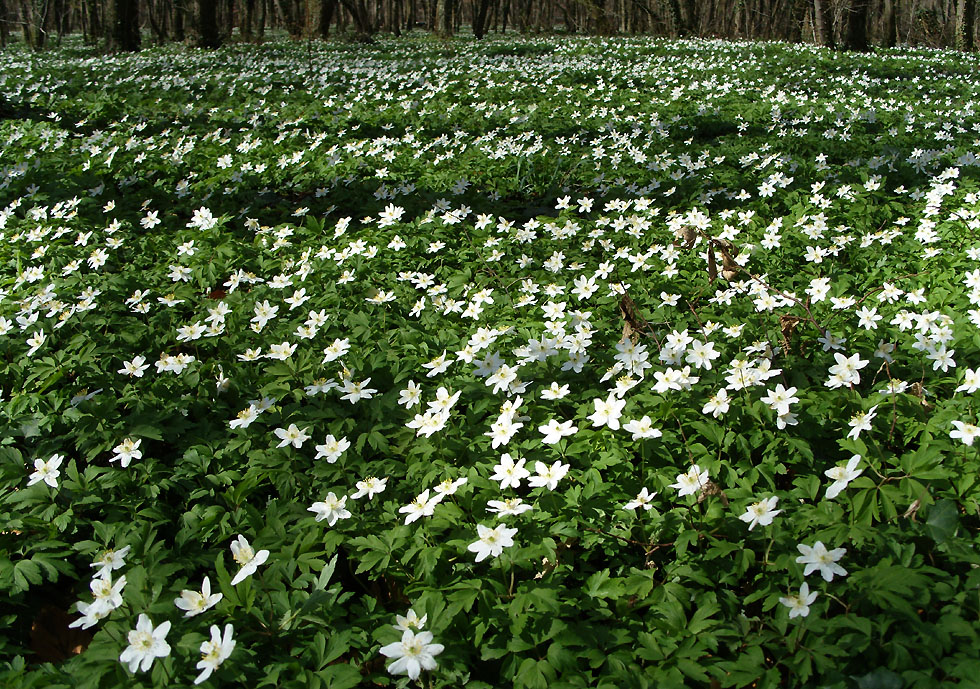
{"x":33,"y":16}
{"x":856,"y":37}
{"x":4,"y":30}
{"x":158,"y":13}
{"x":481,"y":8}
{"x":794,"y":28}
{"x":443,"y":18}
{"x":889,"y":24}
{"x":179,"y":20}
{"x":674,"y":20}
{"x":260,"y":21}
{"x":853,"y":24}
{"x":122,"y":18}
{"x":208,"y":35}
{"x":689,"y":16}
{"x":319,"y":14}
{"x":965,"y":16}
{"x":246,"y":18}
{"x":359,"y":15}
{"x":823,"y":23}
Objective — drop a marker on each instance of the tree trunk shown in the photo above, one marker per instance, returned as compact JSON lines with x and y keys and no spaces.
{"x":327,"y":10}
{"x":207,"y":24}
{"x":674,"y":19}
{"x":689,"y":16}
{"x":311,"y":19}
{"x":57,"y":18}
{"x":889,"y":24}
{"x":600,"y":20}
{"x":246,"y":19}
{"x":96,"y":24}
{"x":4,"y":31}
{"x":709,"y":20}
{"x":226,"y":19}
{"x":157,"y":21}
{"x":443,"y":25}
{"x":480,"y":18}
{"x":179,"y":26}
{"x":965,"y":16}
{"x":857,"y":26}
{"x":358,"y":12}
{"x":319,"y":14}
{"x":287,"y":15}
{"x":122,"y":24}
{"x":823,"y":23}
{"x":33,"y":15}
{"x":794,"y":30}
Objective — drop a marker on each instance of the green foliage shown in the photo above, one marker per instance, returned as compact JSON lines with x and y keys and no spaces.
{"x":261,"y":273}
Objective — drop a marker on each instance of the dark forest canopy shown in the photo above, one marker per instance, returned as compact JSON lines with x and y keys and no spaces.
{"x":125,"y":25}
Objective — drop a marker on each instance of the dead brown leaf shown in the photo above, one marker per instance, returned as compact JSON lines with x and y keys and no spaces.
{"x":688,"y":235}
{"x":912,"y":510}
{"x":634,"y":322}
{"x":917,"y":390}
{"x":712,"y":488}
{"x":51,"y":638}
{"x":787,"y":328}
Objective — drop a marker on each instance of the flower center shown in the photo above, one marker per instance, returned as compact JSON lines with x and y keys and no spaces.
{"x":212,"y":653}
{"x":142,"y":640}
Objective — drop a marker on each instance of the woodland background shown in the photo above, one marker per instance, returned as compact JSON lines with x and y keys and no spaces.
{"x":128,"y":25}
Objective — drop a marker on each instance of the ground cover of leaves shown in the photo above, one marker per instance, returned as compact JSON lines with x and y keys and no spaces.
{"x":533,"y":362}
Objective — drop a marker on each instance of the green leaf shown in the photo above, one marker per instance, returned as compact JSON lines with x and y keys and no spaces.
{"x":224,"y":582}
{"x":942,"y":521}
{"x":145,"y":431}
{"x":880,"y":678}
{"x":26,"y":573}
{"x":337,"y":645}
{"x":340,"y":676}
{"x":600,"y":585}
{"x":531,"y":674}
{"x":700,"y":620}
{"x":692,"y":669}
{"x":326,"y":573}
